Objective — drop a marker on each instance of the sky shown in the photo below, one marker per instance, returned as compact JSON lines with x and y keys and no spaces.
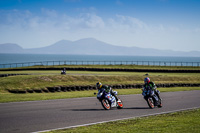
{"x":159,"y":24}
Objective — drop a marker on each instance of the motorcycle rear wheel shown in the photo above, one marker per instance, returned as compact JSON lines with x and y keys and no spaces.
{"x":105,"y":104}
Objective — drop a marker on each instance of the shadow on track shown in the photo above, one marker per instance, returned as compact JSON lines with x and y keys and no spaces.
{"x":137,"y":108}
{"x":87,"y":109}
{"x":111,"y":109}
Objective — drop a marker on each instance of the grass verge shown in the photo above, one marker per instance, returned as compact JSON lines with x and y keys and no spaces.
{"x":43,"y":79}
{"x":178,"y":122}
{"x":9,"y":97}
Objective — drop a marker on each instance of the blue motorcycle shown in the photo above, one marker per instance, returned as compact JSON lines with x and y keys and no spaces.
{"x":108,"y":101}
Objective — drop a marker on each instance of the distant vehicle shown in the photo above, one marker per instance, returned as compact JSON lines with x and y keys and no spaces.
{"x":63,"y":71}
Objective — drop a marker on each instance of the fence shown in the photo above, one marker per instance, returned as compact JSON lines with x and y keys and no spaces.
{"x":54,"y":63}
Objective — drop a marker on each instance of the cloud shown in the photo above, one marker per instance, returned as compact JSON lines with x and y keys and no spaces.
{"x":13,"y":17}
{"x":49,"y":13}
{"x":92,"y":21}
{"x":50,"y":18}
{"x":131,"y":22}
{"x":49,"y":25}
{"x":31,"y":30}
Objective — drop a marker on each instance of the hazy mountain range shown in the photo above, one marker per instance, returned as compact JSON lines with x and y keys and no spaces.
{"x":91,"y":46}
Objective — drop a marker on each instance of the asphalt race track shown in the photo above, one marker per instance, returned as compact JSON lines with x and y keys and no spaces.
{"x":23,"y":117}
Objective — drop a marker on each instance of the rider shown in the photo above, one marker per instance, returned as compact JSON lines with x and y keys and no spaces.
{"x":107,"y":89}
{"x":151,"y":85}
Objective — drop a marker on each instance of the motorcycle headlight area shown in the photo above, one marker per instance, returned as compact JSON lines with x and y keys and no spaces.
{"x":99,"y":94}
{"x":115,"y":92}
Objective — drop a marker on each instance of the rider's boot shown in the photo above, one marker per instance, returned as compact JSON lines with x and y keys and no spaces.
{"x":159,"y":97}
{"x":157,"y":93}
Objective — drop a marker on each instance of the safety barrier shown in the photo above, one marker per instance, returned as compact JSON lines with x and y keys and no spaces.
{"x":89,"y":87}
{"x":108,"y":70}
{"x":55,"y":63}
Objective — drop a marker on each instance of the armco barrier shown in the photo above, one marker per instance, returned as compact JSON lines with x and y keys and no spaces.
{"x":37,"y":90}
{"x":83,"y":88}
{"x":109,"y":70}
{"x":51,"y":89}
{"x":6,"y":75}
{"x":63,"y":88}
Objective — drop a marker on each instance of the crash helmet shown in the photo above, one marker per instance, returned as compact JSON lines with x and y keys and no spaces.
{"x":146,"y":80}
{"x":99,"y":85}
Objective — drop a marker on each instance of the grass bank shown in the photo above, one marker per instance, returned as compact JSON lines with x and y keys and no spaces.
{"x":43,"y":79}
{"x":178,"y":122}
{"x":10,"y":97}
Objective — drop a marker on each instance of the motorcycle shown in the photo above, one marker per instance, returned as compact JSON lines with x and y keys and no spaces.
{"x":151,"y":98}
{"x":108,"y":101}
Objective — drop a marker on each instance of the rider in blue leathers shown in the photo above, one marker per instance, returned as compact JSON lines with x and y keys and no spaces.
{"x":106,"y":88}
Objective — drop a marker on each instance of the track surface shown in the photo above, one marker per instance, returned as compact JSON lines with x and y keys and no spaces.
{"x":23,"y":117}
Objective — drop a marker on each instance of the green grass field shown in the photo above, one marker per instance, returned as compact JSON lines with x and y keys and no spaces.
{"x":178,"y":122}
{"x":43,"y":79}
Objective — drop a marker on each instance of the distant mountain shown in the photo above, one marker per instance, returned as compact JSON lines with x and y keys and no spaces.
{"x":10,"y":48}
{"x":60,"y":47}
{"x":91,"y":46}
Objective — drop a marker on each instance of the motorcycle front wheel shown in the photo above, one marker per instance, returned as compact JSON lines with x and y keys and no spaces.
{"x":160,"y":105}
{"x":150,"y":103}
{"x":105,"y":104}
{"x":120,"y":104}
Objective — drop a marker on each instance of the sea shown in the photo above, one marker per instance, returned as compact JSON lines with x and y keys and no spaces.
{"x":7,"y":59}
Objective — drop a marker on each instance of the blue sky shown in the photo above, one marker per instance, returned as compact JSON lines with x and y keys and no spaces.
{"x":159,"y":24}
